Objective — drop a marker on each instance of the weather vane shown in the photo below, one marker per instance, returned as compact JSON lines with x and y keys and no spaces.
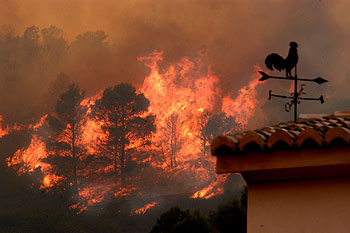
{"x":275,"y":61}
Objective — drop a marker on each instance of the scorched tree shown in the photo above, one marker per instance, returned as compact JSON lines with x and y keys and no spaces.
{"x":120,"y":110}
{"x":65,"y":131}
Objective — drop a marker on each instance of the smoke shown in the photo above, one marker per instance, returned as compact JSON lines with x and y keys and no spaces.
{"x":236,"y":34}
{"x":96,"y":44}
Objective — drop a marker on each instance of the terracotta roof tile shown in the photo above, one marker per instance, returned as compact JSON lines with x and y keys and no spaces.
{"x":322,"y":131}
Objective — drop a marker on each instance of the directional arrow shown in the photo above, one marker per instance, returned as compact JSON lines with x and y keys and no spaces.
{"x":264,"y":76}
{"x":317,"y":80}
{"x":320,"y":80}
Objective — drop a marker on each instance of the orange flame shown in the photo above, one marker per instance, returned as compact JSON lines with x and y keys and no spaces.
{"x":50,"y":180}
{"x":30,"y":159}
{"x":3,"y":132}
{"x":92,"y":131}
{"x":181,"y":96}
{"x":215,"y":188}
{"x":244,"y":105}
{"x":6,"y":130}
{"x":143,"y":209}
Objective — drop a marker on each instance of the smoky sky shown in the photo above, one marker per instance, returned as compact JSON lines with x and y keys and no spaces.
{"x":236,"y":35}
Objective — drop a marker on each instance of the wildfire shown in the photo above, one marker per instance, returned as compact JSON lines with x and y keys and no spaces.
{"x":3,"y":132}
{"x":124,"y":192}
{"x":50,"y":180}
{"x":6,"y":130}
{"x":179,"y":95}
{"x":93,"y":194}
{"x":92,"y":131}
{"x":143,"y":209}
{"x":182,"y":96}
{"x":30,"y":159}
{"x":215,"y":188}
{"x":244,"y":105}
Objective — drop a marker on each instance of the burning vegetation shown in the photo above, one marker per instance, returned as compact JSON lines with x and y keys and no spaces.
{"x":136,"y":143}
{"x":106,"y":118}
{"x":149,"y":141}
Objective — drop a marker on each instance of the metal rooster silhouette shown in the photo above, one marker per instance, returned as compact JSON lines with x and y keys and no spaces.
{"x":279,"y":63}
{"x":274,"y":60}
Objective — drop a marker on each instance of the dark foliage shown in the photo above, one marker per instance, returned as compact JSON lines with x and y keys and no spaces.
{"x":215,"y":125}
{"x":219,"y":124}
{"x":231,"y":216}
{"x":177,"y":220}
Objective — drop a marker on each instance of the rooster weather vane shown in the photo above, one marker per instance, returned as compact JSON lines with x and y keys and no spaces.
{"x":275,"y":61}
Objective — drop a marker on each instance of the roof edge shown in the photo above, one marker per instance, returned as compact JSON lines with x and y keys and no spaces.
{"x":223,"y":140}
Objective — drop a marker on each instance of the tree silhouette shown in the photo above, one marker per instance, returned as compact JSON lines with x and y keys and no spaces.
{"x":215,"y":125}
{"x":173,"y":124}
{"x":176,"y":220}
{"x":54,"y":49}
{"x":120,"y":109}
{"x":26,"y":60}
{"x":231,"y":216}
{"x":38,"y":55}
{"x":65,"y":132}
{"x":57,"y":86}
{"x":9,"y":44}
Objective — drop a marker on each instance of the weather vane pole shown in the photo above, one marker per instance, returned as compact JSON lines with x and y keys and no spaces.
{"x":275,"y":61}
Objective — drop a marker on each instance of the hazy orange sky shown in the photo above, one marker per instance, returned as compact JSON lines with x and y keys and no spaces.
{"x":236,"y":34}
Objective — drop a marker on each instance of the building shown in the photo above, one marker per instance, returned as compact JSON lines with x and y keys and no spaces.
{"x":297,"y":174}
